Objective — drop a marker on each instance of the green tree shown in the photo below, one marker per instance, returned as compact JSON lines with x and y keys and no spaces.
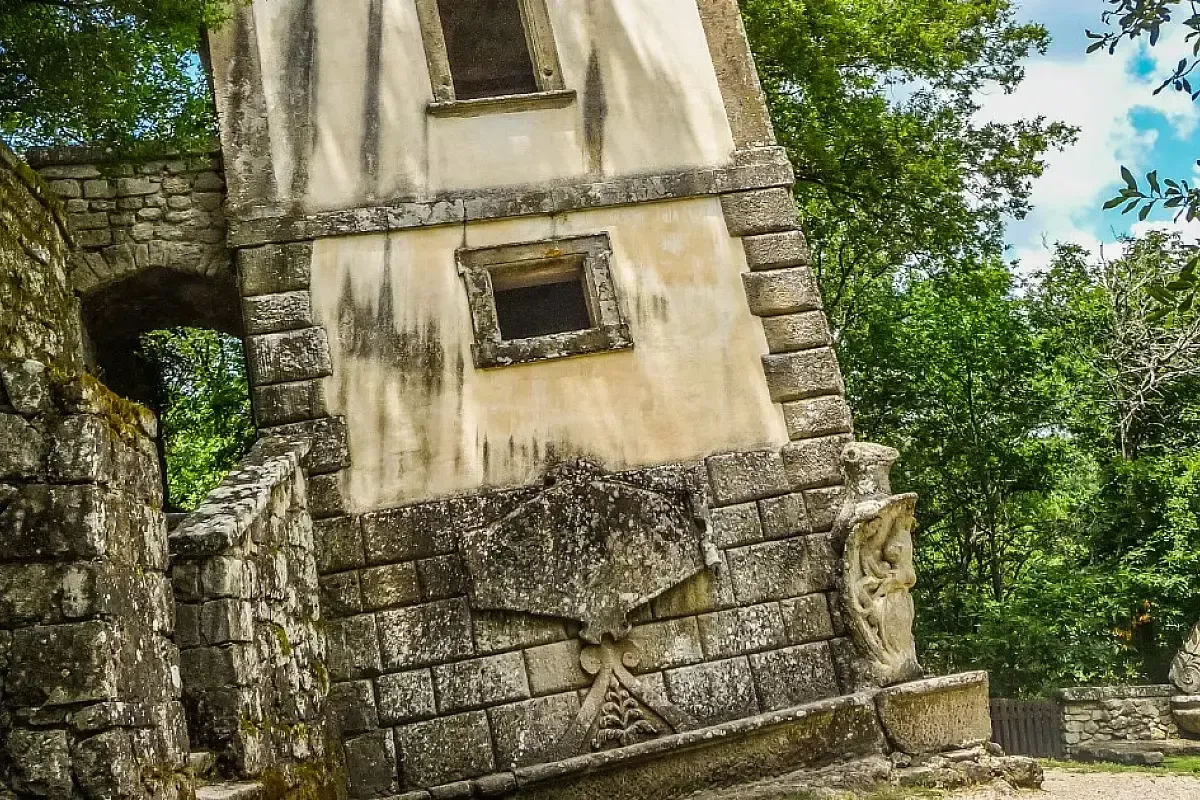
{"x":204,"y":409}
{"x":124,"y":73}
{"x":875,"y":103}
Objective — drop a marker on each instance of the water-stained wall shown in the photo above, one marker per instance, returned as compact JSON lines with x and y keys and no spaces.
{"x":324,"y":104}
{"x":424,"y":422}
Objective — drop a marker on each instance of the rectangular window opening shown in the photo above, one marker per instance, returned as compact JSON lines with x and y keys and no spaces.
{"x":487,"y":48}
{"x":541,"y":299}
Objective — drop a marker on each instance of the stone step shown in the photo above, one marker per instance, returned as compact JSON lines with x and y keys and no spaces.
{"x":247,"y":790}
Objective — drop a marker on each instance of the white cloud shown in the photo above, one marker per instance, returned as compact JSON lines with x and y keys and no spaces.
{"x":1099,"y":95}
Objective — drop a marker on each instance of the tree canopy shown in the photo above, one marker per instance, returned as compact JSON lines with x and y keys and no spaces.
{"x":123,"y":73}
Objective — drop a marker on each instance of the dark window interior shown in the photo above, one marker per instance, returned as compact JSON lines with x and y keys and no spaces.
{"x":538,"y":300}
{"x":486,"y":46}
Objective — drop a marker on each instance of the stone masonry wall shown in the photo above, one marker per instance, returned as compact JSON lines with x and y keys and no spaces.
{"x":39,"y":317}
{"x":89,"y":678}
{"x":431,"y":692}
{"x":1116,"y":713}
{"x":128,"y":217}
{"x":253,"y":649}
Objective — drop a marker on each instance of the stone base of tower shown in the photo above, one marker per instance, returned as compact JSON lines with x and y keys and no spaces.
{"x":893,"y":734}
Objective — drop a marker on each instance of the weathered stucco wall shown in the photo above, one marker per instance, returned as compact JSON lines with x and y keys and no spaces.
{"x":311,"y":117}
{"x":425,"y":423}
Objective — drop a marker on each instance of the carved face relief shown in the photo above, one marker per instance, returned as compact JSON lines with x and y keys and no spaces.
{"x":879,"y":571}
{"x":1185,"y":669}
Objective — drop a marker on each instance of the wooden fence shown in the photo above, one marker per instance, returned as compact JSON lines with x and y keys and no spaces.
{"x":1028,"y":727}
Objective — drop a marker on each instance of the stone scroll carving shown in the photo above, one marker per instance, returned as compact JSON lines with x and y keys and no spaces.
{"x":589,"y":547}
{"x":592,"y":547}
{"x":1185,"y":669}
{"x":876,"y":528}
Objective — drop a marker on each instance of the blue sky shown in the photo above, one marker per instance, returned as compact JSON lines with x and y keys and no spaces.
{"x":1121,"y":121}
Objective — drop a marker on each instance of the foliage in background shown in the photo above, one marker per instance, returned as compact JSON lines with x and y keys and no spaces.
{"x":874,"y":102}
{"x":205,"y":414}
{"x":1059,"y":536}
{"x":124,"y":73}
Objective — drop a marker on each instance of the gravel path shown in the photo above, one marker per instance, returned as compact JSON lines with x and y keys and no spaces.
{"x":1065,"y":785}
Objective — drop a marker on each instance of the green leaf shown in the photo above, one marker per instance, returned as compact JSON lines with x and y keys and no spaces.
{"x":1130,"y":181}
{"x":1152,"y":179}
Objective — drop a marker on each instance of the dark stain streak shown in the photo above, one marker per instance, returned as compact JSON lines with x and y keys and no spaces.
{"x":302,"y":96}
{"x":248,"y":138}
{"x":595,"y":114}
{"x":370,"y":145}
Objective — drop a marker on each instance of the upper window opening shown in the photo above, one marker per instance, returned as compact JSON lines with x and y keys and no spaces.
{"x":487,"y":48}
{"x":541,"y":300}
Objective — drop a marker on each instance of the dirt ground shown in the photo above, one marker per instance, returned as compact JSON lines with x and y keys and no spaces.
{"x":1066,"y":785}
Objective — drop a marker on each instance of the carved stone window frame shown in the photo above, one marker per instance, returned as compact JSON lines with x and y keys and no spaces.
{"x":539,"y":36}
{"x":610,"y":331}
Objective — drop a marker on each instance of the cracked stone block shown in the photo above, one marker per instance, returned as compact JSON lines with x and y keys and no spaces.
{"x":807,"y":619}
{"x":812,"y":463}
{"x":406,"y":534}
{"x":672,"y":643}
{"x":41,"y":762}
{"x":67,"y":522}
{"x":353,"y":645}
{"x":405,"y":696}
{"x":742,"y":630}
{"x":807,"y":373}
{"x":715,"y":692}
{"x":781,"y":291}
{"x":776,"y":250}
{"x":330,"y":450}
{"x":274,"y":268}
{"x":283,"y":403}
{"x":340,"y":595}
{"x":529,"y":732}
{"x":791,"y":332}
{"x":274,"y":313}
{"x":501,"y":630}
{"x":783,"y":516}
{"x":480,"y":682}
{"x":733,"y":526}
{"x":817,"y":416}
{"x":325,"y":499}
{"x":338,"y":543}
{"x":58,"y":665}
{"x":937,"y":714}
{"x":759,"y":211}
{"x":823,"y":506}
{"x":442,"y":577}
{"x":703,"y":592}
{"x":371,"y":765}
{"x":446,"y":749}
{"x":390,"y":586}
{"x":289,"y":356}
{"x":27,"y":386}
{"x":427,"y":634}
{"x":22,"y":448}
{"x":352,"y":704}
{"x":554,"y":668}
{"x":777,"y":570}
{"x":794,"y":676}
{"x":742,"y":477}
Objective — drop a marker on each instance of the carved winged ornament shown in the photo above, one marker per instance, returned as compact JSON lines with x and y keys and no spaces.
{"x":1185,"y":669}
{"x":876,"y":527}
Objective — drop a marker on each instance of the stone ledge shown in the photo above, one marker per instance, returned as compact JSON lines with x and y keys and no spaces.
{"x":768,"y":168}
{"x":937,"y":714}
{"x":1097,"y":694}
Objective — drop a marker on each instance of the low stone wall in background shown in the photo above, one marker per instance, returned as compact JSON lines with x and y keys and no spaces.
{"x":253,"y":646}
{"x":1116,"y":713}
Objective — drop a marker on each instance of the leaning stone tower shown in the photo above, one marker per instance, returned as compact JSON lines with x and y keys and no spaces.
{"x":528,"y":274}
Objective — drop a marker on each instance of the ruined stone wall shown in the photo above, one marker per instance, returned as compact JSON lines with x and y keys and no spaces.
{"x":253,"y":646}
{"x":132,"y":216}
{"x":1116,"y":713}
{"x":89,"y":677}
{"x":39,"y":317}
